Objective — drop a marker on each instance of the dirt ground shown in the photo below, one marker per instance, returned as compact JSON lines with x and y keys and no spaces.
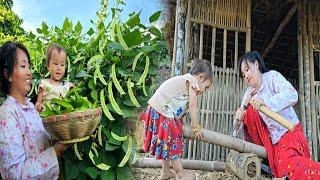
{"x":154,"y":174}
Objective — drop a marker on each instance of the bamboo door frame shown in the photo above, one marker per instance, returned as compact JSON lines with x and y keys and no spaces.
{"x":217,"y":106}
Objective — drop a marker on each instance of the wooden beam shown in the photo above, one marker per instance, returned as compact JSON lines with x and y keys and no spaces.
{"x":187,"y":164}
{"x":280,"y":29}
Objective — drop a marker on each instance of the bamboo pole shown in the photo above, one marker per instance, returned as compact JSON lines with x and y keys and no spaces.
{"x":248,"y":24}
{"x":187,"y":164}
{"x":201,"y":42}
{"x":245,"y":165}
{"x":300,"y":62}
{"x":306,"y":74}
{"x":312,"y":89}
{"x":213,"y":47}
{"x":224,"y":48}
{"x":236,"y":39}
{"x":280,"y":29}
{"x":227,"y":141}
{"x":188,"y":34}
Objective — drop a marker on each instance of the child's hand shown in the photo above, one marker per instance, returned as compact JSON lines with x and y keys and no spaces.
{"x":239,"y":114}
{"x":39,"y":107}
{"x":199,"y":134}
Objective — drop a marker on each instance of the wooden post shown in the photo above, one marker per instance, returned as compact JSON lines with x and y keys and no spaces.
{"x":248,"y":33}
{"x":300,"y":62}
{"x":306,"y":74}
{"x":187,"y":164}
{"x":313,"y":104}
{"x":227,"y":141}
{"x":280,"y":29}
{"x":188,"y":35}
{"x":180,"y":19}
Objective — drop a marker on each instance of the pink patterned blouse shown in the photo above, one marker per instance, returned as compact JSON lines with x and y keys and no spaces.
{"x":24,"y":143}
{"x":280,"y":96}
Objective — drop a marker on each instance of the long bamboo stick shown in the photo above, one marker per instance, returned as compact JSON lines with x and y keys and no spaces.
{"x":227,"y":141}
{"x":187,"y":164}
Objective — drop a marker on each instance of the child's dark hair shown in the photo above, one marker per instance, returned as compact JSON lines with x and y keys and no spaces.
{"x":201,"y":66}
{"x":52,"y":47}
{"x":8,"y":58}
{"x":252,"y":57}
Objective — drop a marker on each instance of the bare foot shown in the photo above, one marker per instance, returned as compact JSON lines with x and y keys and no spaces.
{"x":167,"y":175}
{"x":185,"y":175}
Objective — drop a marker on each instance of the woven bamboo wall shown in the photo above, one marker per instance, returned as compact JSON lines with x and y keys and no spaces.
{"x":228,"y":14}
{"x":216,"y":111}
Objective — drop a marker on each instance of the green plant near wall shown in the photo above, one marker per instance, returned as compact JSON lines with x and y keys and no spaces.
{"x":114,"y":64}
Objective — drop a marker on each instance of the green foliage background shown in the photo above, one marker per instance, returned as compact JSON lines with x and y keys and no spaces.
{"x":133,"y":49}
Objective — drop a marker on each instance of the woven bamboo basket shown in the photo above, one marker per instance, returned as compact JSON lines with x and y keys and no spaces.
{"x":73,"y":127}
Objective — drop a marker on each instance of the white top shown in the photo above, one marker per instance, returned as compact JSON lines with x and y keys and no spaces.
{"x":280,"y":96}
{"x":172,"y":97}
{"x":54,"y":91}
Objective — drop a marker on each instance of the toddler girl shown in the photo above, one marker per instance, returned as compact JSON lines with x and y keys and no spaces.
{"x":53,"y":87}
{"x":163,"y":135}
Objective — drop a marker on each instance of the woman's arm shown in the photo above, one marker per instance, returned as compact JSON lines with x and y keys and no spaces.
{"x":15,"y":163}
{"x":39,"y":103}
{"x":285,"y":94}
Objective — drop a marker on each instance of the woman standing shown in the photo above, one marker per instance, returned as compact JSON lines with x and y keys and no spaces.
{"x":24,"y":143}
{"x":288,"y":152}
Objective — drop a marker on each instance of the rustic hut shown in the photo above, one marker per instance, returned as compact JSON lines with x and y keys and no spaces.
{"x":286,"y":32}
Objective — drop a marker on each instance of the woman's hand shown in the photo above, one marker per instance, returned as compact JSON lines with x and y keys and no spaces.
{"x":39,"y":107}
{"x":199,"y":134}
{"x":256,"y":103}
{"x":240,"y":113}
{"x":59,"y":148}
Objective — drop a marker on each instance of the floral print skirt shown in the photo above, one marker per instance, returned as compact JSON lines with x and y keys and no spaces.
{"x":163,"y":136}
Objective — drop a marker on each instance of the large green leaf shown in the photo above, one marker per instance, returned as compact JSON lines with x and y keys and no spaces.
{"x":71,"y":169}
{"x":108,"y":175}
{"x":155,"y":16}
{"x":92,"y":172}
{"x":123,"y":173}
{"x":134,"y":20}
{"x":133,"y":38}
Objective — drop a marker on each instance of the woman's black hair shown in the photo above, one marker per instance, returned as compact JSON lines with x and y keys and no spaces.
{"x":8,"y":58}
{"x":252,"y":57}
{"x":202,"y":66}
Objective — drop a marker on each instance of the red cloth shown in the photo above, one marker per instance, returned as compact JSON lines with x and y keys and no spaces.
{"x":290,"y":156}
{"x":162,"y":136}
